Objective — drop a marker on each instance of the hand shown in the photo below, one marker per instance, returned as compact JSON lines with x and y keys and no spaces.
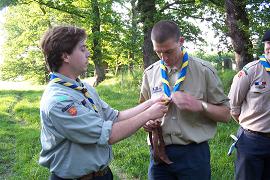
{"x":157,"y":110}
{"x":161,"y":98}
{"x":186,"y":102}
{"x":151,"y":125}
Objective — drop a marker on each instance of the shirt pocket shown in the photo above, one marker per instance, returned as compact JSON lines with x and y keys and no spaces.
{"x":259,"y":98}
{"x":197,"y":94}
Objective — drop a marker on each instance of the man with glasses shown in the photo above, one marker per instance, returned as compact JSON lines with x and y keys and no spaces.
{"x":250,"y":102}
{"x":197,"y":103}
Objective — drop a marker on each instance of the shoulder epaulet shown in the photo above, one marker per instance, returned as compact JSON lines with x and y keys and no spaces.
{"x":149,"y":67}
{"x":152,"y":65}
{"x":251,"y":64}
{"x":204,"y":63}
{"x":248,"y":66}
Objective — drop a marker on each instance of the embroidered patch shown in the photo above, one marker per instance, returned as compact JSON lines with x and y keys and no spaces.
{"x":72,"y":111}
{"x":241,"y":73}
{"x":67,"y":107}
{"x":260,"y":85}
{"x":62,"y":98}
{"x":83,"y":102}
{"x":156,"y":89}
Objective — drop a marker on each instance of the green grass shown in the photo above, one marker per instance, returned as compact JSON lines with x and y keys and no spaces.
{"x":20,"y":130}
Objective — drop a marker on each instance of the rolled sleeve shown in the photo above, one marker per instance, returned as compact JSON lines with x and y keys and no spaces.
{"x":105,"y":133}
{"x":79,"y":124}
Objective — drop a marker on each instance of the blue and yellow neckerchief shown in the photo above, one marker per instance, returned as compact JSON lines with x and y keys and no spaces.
{"x":265,"y":63}
{"x":58,"y":80}
{"x":181,"y":77}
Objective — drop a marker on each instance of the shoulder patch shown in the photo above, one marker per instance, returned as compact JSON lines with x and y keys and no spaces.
{"x":67,"y":107}
{"x":241,"y":73}
{"x":245,"y":70}
{"x":72,"y":111}
{"x":61,"y":98}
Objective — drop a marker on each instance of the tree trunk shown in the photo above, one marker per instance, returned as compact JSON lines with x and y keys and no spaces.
{"x":238,"y":24}
{"x":148,"y":11}
{"x":133,"y":34}
{"x":97,"y":53}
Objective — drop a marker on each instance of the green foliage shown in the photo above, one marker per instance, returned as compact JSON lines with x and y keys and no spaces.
{"x":226,"y":76}
{"x":24,"y":26}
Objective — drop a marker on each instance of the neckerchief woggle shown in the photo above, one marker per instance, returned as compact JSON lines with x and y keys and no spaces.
{"x":83,"y":90}
{"x":265,"y":63}
{"x":181,"y":76}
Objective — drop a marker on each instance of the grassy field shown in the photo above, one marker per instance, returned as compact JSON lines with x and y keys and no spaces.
{"x":20,"y":146}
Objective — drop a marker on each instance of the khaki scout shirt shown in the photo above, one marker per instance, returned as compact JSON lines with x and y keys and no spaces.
{"x":202,"y":82}
{"x":250,"y":97}
{"x":74,"y":138}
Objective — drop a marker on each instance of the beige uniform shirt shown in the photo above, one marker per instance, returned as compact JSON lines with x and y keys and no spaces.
{"x":202,"y":82}
{"x":250,"y":97}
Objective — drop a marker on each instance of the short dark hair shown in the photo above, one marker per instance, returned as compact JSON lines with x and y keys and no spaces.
{"x":59,"y":40}
{"x":164,"y":30}
{"x":266,"y":36}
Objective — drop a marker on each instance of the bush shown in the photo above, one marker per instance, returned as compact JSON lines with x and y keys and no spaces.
{"x":226,"y":77}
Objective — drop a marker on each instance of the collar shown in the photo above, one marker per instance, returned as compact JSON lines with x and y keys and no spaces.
{"x":67,"y":79}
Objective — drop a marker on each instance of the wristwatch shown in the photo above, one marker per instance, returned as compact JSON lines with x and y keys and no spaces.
{"x":204,"y":106}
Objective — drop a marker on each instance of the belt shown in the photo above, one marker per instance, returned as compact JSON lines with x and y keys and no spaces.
{"x":95,"y":174}
{"x":259,"y":133}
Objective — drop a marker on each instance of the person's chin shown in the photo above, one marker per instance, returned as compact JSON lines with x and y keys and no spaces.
{"x":167,"y":64}
{"x":268,"y":58}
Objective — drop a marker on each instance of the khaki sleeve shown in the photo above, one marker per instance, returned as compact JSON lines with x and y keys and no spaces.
{"x":145,"y":89}
{"x":215,"y":92}
{"x":238,"y":91}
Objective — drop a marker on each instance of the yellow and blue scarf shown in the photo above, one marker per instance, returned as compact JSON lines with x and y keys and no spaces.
{"x":181,"y":76}
{"x":265,"y":63}
{"x":58,"y":80}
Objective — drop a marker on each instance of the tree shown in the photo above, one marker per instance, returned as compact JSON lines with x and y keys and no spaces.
{"x":243,"y":22}
{"x":75,"y":10}
{"x":148,"y":11}
{"x":22,"y":56}
{"x":96,"y":48}
{"x":238,"y":30}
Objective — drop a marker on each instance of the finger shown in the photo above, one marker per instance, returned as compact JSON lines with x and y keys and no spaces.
{"x":151,"y":124}
{"x":157,"y":124}
{"x":147,"y":129}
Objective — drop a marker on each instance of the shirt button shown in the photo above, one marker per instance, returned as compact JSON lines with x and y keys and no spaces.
{"x":174,"y":118}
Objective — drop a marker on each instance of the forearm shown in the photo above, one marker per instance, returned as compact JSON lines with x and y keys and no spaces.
{"x":124,"y":129}
{"x":126,"y":114}
{"x":218,"y":113}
